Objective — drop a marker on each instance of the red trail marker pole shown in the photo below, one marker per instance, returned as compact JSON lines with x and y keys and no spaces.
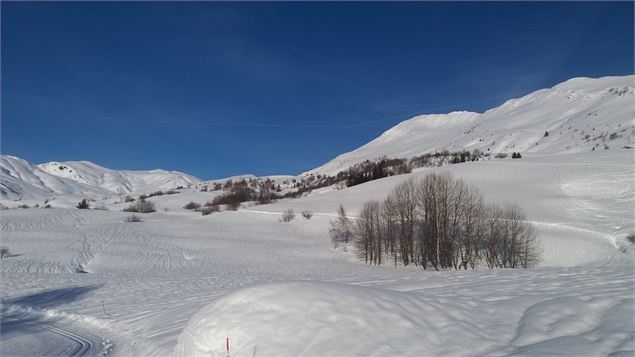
{"x":227,"y":344}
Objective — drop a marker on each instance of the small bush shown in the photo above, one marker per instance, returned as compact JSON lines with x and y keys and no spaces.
{"x":233,"y":206}
{"x":307,"y":214}
{"x":4,"y":251}
{"x":500,"y":155}
{"x":128,"y":199}
{"x":48,"y":206}
{"x":83,"y":204}
{"x":209,"y":210}
{"x":631,"y":238}
{"x":287,"y":216}
{"x":141,"y":206}
{"x":192,"y":205}
{"x":133,"y":218}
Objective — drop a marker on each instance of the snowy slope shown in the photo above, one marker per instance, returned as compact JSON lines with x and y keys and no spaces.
{"x":20,"y":179}
{"x":580,"y":115}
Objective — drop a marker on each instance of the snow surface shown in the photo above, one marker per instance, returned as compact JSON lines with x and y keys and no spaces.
{"x":138,"y":284}
{"x":87,"y":281}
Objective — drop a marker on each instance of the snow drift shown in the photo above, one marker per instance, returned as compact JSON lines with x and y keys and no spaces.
{"x":318,"y":319}
{"x":526,"y":317}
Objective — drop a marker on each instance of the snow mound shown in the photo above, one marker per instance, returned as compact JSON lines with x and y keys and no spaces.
{"x":526,"y":317}
{"x":314,"y":319}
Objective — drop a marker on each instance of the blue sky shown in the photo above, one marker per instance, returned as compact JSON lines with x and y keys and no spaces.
{"x":217,"y":89}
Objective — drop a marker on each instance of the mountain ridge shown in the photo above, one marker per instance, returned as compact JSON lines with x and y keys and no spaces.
{"x":547,"y":121}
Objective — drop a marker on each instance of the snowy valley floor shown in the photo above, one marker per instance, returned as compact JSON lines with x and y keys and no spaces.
{"x":86,"y":281}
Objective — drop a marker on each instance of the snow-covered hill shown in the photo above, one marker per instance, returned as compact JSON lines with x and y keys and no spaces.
{"x":579,"y":115}
{"x":181,"y":283}
{"x":20,"y":179}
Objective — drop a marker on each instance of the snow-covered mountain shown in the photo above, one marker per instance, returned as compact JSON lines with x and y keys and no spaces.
{"x":579,"y":115}
{"x":20,"y":179}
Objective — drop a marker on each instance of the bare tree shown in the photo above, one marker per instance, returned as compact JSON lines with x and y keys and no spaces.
{"x":389,"y":230}
{"x":341,"y":229}
{"x":405,"y":204}
{"x":525,"y":249}
{"x":368,"y":233}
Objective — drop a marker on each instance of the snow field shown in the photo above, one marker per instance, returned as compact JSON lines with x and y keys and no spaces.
{"x":261,"y":282}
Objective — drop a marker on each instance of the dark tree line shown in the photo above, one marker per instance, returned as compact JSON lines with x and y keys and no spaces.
{"x":440,"y":222}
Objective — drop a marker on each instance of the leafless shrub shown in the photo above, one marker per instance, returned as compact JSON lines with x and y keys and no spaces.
{"x":232,"y":205}
{"x":209,"y":210}
{"x":192,"y":205}
{"x":83,"y":204}
{"x":4,"y":252}
{"x":141,"y":206}
{"x":287,"y":216}
{"x":307,"y":214}
{"x":133,"y":218}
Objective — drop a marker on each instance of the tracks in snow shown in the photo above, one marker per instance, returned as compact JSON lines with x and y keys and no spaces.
{"x":82,"y":345}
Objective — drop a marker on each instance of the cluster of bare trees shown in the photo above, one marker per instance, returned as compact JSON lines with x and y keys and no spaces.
{"x":442,"y":223}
